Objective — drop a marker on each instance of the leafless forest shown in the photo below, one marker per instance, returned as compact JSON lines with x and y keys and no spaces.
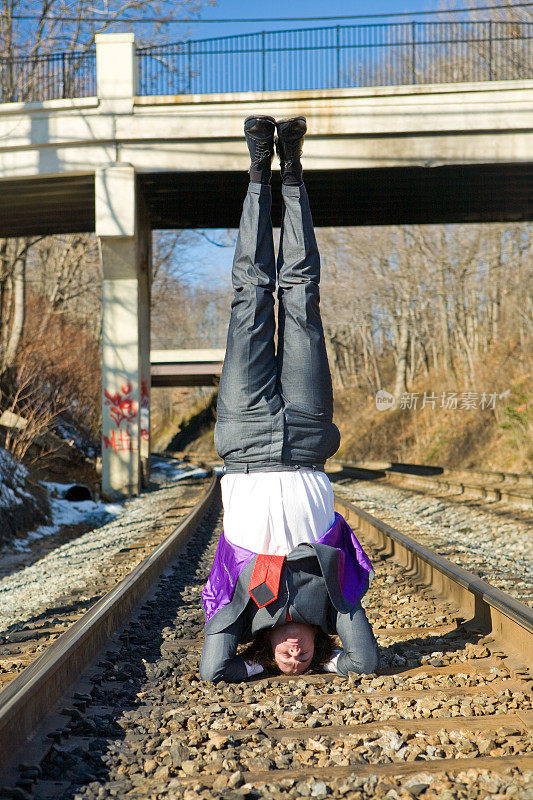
{"x":425,"y":298}
{"x":50,"y":288}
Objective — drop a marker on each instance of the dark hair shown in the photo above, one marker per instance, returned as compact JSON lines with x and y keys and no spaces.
{"x":259,"y":651}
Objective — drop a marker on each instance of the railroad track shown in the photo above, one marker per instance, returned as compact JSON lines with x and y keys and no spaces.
{"x":23,"y":641}
{"x":513,"y":489}
{"x":450,"y":710}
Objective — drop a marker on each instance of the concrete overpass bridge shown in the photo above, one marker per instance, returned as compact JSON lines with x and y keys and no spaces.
{"x":191,"y":367}
{"x":122,"y":163}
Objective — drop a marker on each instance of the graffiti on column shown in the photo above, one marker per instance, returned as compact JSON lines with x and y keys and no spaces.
{"x":145,"y":411}
{"x":123,"y":410}
{"x":120,"y":441}
{"x":121,"y":404}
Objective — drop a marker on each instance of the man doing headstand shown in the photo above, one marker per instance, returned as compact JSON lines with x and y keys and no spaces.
{"x":288,"y":571}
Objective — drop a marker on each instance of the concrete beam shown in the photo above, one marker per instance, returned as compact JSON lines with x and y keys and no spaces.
{"x":188,"y":355}
{"x":353,"y":128}
{"x":191,"y":367}
{"x":193,"y":374}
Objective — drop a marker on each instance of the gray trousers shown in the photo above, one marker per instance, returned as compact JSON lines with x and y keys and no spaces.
{"x":275,"y":408}
{"x":360,"y":650}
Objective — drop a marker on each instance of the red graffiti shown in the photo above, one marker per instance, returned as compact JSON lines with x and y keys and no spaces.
{"x":121,"y":405}
{"x":120,"y":441}
{"x":145,"y":397}
{"x":145,"y":412}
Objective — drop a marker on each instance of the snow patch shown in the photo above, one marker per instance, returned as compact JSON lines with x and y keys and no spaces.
{"x":175,"y":470}
{"x":65,"y":512}
{"x":73,"y":436}
{"x":13,"y":478}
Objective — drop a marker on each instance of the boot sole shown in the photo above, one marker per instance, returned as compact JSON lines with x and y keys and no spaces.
{"x":291,"y":119}
{"x":260,"y":116}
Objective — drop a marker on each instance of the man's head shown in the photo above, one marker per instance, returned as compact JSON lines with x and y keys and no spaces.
{"x":293,"y":646}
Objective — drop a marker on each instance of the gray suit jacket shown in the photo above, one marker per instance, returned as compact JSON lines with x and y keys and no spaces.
{"x":309,"y":589}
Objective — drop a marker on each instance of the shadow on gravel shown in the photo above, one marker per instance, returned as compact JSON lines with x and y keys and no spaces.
{"x":51,"y":615}
{"x":133,"y":686}
{"x":14,"y":561}
{"x":356,"y":474}
{"x":411,"y":653}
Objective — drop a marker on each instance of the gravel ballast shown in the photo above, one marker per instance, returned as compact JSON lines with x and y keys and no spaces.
{"x":77,"y":569}
{"x":148,"y":728}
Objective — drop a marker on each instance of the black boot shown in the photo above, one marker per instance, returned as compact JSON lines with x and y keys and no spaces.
{"x":259,"y":132}
{"x":289,"y":145}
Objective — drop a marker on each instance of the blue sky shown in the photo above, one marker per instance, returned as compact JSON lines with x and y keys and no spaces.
{"x":304,"y":8}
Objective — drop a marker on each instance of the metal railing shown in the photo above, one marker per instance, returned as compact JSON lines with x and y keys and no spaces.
{"x":67,"y":74}
{"x":340,"y":56}
{"x":308,"y":58}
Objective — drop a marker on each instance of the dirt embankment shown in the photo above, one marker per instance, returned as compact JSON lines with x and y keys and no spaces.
{"x":196,"y":431}
{"x":488,"y":425}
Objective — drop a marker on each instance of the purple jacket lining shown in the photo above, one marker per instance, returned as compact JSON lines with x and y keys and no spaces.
{"x":355,"y":569}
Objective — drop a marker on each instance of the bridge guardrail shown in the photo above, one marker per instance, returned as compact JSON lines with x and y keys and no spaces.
{"x":48,"y":77}
{"x":339,"y":56}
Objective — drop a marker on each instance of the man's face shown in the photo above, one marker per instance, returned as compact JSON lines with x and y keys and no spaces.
{"x":293,"y":645}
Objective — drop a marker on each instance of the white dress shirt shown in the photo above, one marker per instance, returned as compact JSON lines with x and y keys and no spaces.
{"x":273,"y":512}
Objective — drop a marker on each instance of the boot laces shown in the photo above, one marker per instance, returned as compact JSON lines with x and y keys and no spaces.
{"x":262,"y":151}
{"x":290,"y":152}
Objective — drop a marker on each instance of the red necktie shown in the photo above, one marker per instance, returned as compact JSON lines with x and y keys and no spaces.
{"x":264,"y":583}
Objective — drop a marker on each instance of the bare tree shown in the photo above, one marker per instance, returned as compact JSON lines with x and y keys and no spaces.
{"x":65,"y":271}
{"x":188,"y":315}
{"x":431,"y":296}
{"x":36,"y":410}
{"x":28,"y":63}
{"x":13,"y":259}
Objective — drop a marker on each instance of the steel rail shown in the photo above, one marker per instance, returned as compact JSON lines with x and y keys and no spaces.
{"x":515,"y":494}
{"x":412,"y":470}
{"x":485,"y":607}
{"x":32,"y":694}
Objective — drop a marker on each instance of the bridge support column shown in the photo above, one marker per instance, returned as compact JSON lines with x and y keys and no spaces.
{"x":124,"y":241}
{"x":145,"y":285}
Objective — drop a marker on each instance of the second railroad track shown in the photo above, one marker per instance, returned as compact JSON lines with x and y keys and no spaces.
{"x":513,"y":489}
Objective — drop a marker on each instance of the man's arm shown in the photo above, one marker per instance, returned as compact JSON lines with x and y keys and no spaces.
{"x":360,"y":652}
{"x":219,"y":661}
